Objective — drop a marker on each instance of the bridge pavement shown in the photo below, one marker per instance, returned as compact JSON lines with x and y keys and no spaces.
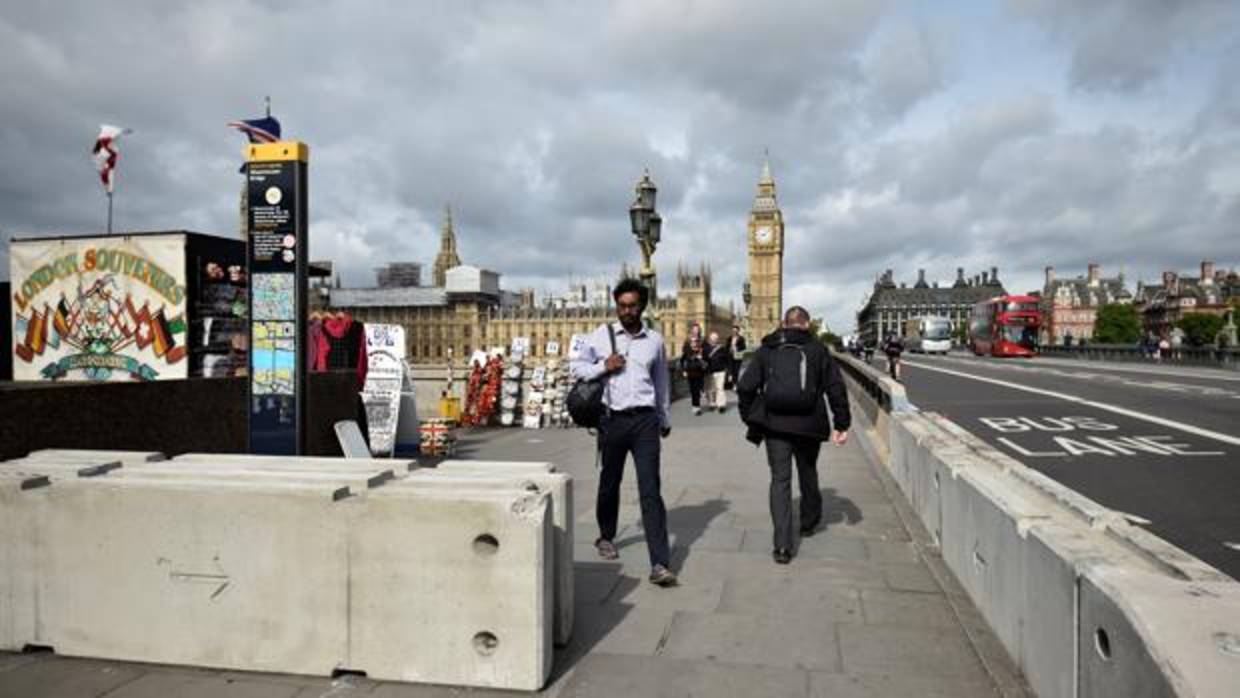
{"x":865,"y":609}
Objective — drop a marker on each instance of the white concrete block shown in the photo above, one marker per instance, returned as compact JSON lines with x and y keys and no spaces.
{"x":559,"y":486}
{"x":234,"y":575}
{"x":453,"y":587}
{"x":20,"y":494}
{"x":61,"y":469}
{"x":500,"y":465}
{"x":355,"y":482}
{"x":75,"y":453}
{"x":299,"y":463}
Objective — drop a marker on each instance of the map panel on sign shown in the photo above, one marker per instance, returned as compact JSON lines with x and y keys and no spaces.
{"x":274,"y":357}
{"x":274,"y":296}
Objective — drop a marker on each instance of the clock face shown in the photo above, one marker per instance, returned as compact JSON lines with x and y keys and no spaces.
{"x":764,"y":235}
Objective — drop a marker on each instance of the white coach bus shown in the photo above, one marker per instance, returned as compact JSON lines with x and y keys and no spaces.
{"x":928,"y":335}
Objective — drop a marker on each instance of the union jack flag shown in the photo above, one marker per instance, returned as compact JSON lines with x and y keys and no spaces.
{"x":264,"y":130}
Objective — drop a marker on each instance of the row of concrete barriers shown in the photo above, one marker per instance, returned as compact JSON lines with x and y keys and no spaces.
{"x":1086,"y":603}
{"x":459,"y":575}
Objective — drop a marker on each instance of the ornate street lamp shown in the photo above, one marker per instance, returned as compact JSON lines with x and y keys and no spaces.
{"x":647,"y":227}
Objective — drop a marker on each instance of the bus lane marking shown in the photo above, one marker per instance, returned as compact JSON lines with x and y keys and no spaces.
{"x":1112,"y":445}
{"x":1115,"y":409}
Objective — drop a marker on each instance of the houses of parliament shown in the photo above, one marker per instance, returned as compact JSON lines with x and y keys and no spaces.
{"x":463,"y":308}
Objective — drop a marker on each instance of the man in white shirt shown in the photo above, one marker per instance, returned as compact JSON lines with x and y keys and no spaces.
{"x":637,"y":398}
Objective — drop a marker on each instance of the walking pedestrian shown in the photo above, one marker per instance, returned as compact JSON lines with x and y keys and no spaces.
{"x":781,"y":395}
{"x":693,"y":366}
{"x":736,"y":347}
{"x":637,"y":399}
{"x":718,"y":360}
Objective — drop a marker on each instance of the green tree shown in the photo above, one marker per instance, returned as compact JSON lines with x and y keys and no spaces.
{"x":1200,"y":329}
{"x":961,"y":333}
{"x":1117,"y":324}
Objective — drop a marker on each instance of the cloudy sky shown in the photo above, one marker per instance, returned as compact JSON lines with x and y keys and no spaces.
{"x":910,"y":135}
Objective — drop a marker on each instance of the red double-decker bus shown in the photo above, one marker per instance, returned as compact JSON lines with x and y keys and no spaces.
{"x":1005,"y":326}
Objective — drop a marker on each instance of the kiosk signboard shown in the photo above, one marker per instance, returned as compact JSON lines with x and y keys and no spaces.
{"x":278,"y":257}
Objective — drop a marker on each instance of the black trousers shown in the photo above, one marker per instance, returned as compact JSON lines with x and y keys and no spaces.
{"x":734,"y":371}
{"x":619,"y":435}
{"x":780,"y":450}
{"x":696,"y":384}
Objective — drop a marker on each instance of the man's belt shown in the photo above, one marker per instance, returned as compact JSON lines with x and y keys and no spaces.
{"x":642,"y":409}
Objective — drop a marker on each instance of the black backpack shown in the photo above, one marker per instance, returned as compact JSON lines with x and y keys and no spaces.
{"x":792,"y":381}
{"x":585,"y":399}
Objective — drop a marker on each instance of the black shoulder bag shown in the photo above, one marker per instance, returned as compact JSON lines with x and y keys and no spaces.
{"x":585,"y":399}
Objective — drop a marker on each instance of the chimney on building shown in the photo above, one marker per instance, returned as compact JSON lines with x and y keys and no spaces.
{"x":1168,"y":279}
{"x":1094,"y":274}
{"x":994,"y":275}
{"x":921,"y":278}
{"x":1050,"y":276}
{"x":959,"y":278}
{"x":1207,"y":272}
{"x":985,"y":278}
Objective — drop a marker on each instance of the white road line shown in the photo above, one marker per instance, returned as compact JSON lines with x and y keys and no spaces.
{"x":1062,"y":365}
{"x":1233,"y":546}
{"x":1189,"y":428}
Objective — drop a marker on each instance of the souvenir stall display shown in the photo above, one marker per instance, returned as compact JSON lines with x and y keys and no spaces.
{"x":385,"y":384}
{"x":482,"y":392}
{"x":558,"y":383}
{"x":533,"y":408}
{"x":510,"y":404}
{"x":438,"y":436}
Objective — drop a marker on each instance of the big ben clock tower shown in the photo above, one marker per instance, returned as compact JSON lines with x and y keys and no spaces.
{"x":766,"y":260}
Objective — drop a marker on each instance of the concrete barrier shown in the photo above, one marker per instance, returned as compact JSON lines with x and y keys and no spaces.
{"x":284,"y":565}
{"x":558,"y":485}
{"x":60,"y":454}
{"x":296,"y":463}
{"x":499,"y":465}
{"x":237,"y":575}
{"x":461,"y":594}
{"x":1085,"y":603}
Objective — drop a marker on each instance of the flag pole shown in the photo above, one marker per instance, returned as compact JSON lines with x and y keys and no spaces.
{"x":109,"y":213}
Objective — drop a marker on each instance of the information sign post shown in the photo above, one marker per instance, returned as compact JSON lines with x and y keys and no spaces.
{"x":278,"y":254}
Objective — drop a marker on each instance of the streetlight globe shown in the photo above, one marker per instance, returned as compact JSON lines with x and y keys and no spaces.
{"x":656,"y":226}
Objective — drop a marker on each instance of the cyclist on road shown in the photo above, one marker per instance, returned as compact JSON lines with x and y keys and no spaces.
{"x":893,"y":346}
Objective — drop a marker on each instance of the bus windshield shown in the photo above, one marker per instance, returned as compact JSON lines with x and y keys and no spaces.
{"x":1014,"y":307}
{"x":937,"y":330}
{"x":1016,"y":334}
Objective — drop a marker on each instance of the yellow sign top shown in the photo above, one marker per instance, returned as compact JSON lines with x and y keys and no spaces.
{"x":280,"y":150}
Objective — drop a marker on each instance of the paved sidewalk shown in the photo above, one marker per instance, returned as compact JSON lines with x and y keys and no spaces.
{"x":865,"y":608}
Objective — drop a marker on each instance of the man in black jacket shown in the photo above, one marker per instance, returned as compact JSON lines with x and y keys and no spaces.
{"x":781,"y":395}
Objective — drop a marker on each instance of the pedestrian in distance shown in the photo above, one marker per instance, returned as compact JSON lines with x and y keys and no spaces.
{"x":718,"y":361}
{"x":781,"y":393}
{"x":736,"y":348}
{"x":893,"y":347}
{"x":637,"y":398}
{"x":693,"y":366}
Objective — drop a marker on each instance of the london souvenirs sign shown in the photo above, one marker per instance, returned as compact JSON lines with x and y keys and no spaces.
{"x":99,"y":308}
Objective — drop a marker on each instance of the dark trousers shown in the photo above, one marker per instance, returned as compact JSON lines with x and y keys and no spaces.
{"x":619,"y":435}
{"x":696,"y":383}
{"x":780,"y":450}
{"x":734,"y":371}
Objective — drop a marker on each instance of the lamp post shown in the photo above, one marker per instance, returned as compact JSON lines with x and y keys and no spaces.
{"x":747,"y":296}
{"x":647,"y":227}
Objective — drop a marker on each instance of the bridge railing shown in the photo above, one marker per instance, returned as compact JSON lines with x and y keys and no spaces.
{"x":1185,"y":356}
{"x":1085,"y":602}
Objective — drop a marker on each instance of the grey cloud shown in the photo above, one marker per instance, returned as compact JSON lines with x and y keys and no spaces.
{"x":1124,"y":45}
{"x":535,"y":119}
